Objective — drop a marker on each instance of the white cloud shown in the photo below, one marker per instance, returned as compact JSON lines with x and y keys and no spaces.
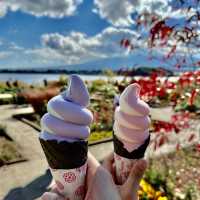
{"x":3,"y":8}
{"x":44,"y":54}
{"x":13,"y":46}
{"x":119,"y":12}
{"x":51,"y":8}
{"x":79,"y":48}
{"x":159,"y":7}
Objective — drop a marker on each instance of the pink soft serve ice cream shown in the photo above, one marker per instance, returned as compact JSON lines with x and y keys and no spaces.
{"x":131,"y":118}
{"x":131,"y":131}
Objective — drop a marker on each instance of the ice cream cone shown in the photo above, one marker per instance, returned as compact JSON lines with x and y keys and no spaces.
{"x":68,"y":164}
{"x":64,"y":138}
{"x":131,"y":136}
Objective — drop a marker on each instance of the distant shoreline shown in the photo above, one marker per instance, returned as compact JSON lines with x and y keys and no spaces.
{"x":98,"y":72}
{"x":142,"y":71}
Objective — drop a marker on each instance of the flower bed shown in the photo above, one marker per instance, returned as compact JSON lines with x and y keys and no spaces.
{"x":147,"y":192}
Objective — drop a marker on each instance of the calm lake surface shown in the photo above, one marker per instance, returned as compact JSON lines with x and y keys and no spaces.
{"x":35,"y":78}
{"x":38,"y":78}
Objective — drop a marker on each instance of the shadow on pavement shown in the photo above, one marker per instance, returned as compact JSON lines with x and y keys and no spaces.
{"x":31,"y":191}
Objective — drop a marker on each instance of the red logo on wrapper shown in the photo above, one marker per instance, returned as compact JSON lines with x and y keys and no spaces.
{"x":80,"y":191}
{"x":69,"y":177}
{"x":59,"y":185}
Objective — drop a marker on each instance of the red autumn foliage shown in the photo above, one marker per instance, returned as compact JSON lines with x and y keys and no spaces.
{"x":189,"y":78}
{"x":193,"y":96}
{"x":160,"y":31}
{"x":169,"y":85}
{"x":191,"y":137}
{"x":171,"y":52}
{"x":163,"y":139}
{"x":178,"y":121}
{"x":153,"y":87}
{"x":126,"y":43}
{"x":178,"y":146}
{"x":198,"y":147}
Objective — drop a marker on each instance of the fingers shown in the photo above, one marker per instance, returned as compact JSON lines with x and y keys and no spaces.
{"x":108,"y":162}
{"x":92,"y":161}
{"x":131,"y":186}
{"x":51,"y":196}
{"x":93,"y":165}
{"x":136,"y":173}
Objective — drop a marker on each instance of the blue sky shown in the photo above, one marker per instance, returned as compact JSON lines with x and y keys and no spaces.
{"x":26,"y":29}
{"x":73,"y":33}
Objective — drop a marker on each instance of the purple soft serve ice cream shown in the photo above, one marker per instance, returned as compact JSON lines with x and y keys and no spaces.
{"x":67,"y":117}
{"x":131,"y":118}
{"x":65,"y":130}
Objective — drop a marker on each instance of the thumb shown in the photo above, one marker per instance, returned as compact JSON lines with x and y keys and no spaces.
{"x":132,"y":183}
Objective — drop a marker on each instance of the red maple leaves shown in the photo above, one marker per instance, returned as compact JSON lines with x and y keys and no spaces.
{"x":126,"y":43}
{"x":160,"y":31}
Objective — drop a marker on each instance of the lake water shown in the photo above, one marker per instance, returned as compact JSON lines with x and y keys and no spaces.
{"x":35,"y":78}
{"x":38,"y":78}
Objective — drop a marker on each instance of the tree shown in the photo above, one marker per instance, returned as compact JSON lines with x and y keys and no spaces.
{"x":175,"y":32}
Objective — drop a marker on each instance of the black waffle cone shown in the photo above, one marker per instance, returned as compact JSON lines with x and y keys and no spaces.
{"x":135,"y":154}
{"x":65,"y":155}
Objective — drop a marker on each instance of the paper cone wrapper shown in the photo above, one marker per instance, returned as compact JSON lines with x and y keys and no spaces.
{"x":125,"y":160}
{"x":68,"y":164}
{"x":71,"y":183}
{"x":123,"y":167}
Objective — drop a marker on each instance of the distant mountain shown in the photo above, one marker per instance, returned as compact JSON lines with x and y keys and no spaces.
{"x":136,"y":60}
{"x":117,"y":63}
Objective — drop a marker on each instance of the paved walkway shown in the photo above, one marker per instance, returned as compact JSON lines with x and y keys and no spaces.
{"x":6,"y":96}
{"x":27,"y":179}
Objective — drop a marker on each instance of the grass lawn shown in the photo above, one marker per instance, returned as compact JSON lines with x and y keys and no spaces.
{"x":98,"y":136}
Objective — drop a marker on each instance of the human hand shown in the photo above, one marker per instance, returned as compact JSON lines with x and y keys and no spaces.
{"x":100,"y":182}
{"x":92,"y":174}
{"x":129,"y":190}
